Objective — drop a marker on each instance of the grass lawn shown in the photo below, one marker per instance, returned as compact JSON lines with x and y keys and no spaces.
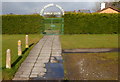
{"x":91,"y":66}
{"x":10,"y":42}
{"x":0,"y":55}
{"x":89,"y":41}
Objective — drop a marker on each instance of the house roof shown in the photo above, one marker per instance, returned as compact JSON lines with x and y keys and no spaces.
{"x":109,"y":7}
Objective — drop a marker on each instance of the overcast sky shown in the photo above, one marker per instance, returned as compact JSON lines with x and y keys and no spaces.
{"x":57,"y":0}
{"x":34,"y":6}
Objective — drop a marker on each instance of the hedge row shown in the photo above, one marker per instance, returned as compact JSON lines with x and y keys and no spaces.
{"x":21,"y":24}
{"x":94,"y":23}
{"x":74,"y":23}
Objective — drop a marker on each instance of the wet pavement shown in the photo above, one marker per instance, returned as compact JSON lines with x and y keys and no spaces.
{"x":55,"y":71}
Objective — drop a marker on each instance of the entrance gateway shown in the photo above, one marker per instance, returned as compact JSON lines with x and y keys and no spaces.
{"x":53,"y":21}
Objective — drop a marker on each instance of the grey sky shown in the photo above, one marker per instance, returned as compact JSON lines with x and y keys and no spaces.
{"x":22,"y":7}
{"x":33,"y":7}
{"x":57,"y":0}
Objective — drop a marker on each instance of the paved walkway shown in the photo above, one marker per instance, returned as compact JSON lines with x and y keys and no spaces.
{"x":46,"y":50}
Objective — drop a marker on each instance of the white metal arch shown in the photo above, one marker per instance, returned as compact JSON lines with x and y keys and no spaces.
{"x":50,"y":5}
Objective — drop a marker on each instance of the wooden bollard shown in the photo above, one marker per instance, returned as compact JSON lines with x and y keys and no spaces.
{"x":19,"y":48}
{"x":26,"y":41}
{"x":8,"y":59}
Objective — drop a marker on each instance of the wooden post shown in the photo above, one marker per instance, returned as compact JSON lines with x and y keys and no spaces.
{"x":26,"y":41}
{"x":19,"y":48}
{"x":8,"y":59}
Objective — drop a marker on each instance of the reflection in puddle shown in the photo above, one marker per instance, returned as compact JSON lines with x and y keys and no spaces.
{"x":55,"y":70}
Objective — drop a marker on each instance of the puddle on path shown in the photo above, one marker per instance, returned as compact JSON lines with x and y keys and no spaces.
{"x":55,"y":70}
{"x":90,"y":67}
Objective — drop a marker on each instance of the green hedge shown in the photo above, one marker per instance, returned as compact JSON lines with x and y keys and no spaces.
{"x":79,"y":23}
{"x":95,"y":23}
{"x":21,"y":24}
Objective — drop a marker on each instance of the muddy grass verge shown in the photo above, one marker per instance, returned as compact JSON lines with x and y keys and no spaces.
{"x":91,"y":66}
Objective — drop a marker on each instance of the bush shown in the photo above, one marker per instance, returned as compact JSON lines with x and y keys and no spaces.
{"x":21,"y":24}
{"x":95,"y":23}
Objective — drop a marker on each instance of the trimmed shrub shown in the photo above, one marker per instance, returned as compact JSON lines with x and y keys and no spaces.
{"x":21,"y":24}
{"x":74,"y":23}
{"x":95,"y":23}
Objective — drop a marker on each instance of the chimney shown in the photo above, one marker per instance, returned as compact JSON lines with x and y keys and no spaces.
{"x":102,"y":6}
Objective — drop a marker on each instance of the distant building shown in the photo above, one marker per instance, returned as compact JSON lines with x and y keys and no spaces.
{"x":84,"y":11}
{"x":75,"y":11}
{"x":105,"y":9}
{"x":109,"y":10}
{"x":11,"y":14}
{"x":79,"y":11}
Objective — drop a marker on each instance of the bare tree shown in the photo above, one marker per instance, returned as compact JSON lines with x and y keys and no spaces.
{"x":114,"y":4}
{"x":96,"y":7}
